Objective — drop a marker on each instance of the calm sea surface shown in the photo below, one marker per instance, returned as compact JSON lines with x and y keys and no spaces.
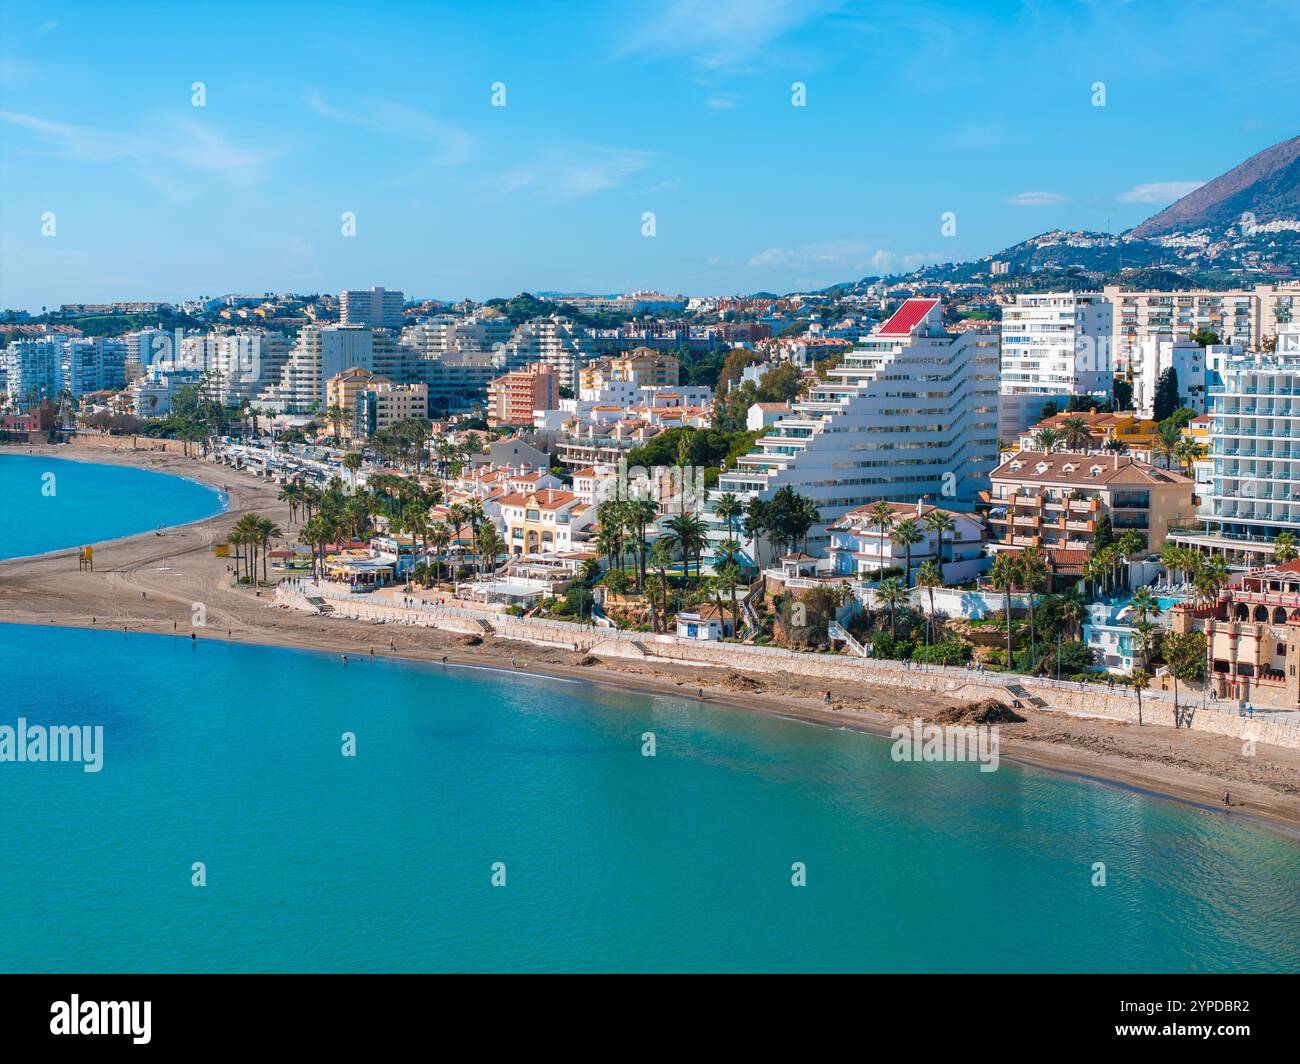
{"x":231,"y":756}
{"x":51,"y":503}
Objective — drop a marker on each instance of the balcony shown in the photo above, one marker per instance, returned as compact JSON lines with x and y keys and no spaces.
{"x":1080,"y":526}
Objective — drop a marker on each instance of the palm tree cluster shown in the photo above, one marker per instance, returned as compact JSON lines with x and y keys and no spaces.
{"x":252,"y":534}
{"x":1106,"y":567}
{"x":1206,"y":574}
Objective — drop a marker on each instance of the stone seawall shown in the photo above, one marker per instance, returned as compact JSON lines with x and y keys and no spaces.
{"x":957,"y":683}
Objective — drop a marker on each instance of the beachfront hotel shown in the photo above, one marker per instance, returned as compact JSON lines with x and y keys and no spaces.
{"x":910,"y":413}
{"x":1255,"y":451}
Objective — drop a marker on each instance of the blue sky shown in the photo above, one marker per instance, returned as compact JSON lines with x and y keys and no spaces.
{"x":612,"y":110}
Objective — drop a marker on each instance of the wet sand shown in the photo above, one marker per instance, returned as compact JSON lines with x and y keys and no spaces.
{"x":178,"y":569}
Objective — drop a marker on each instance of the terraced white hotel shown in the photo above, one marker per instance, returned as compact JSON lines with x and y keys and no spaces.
{"x":910,"y":413}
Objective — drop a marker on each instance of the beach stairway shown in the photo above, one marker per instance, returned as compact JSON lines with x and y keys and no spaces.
{"x":485,"y":626}
{"x":837,"y":632}
{"x":321,"y":605}
{"x":1019,"y":692}
{"x":752,"y":620}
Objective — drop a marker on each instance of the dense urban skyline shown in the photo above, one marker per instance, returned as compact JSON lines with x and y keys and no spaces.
{"x":609,"y":113}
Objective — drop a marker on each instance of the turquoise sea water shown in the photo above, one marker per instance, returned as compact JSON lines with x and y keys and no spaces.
{"x":231,"y":755}
{"x":52,"y":503}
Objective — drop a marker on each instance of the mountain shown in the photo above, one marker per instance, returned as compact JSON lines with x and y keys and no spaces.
{"x":1199,"y":240}
{"x":1266,"y":185}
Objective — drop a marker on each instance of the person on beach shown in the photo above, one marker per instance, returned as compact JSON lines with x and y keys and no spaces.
{"x":701,"y":695}
{"x":345,"y":658}
{"x":444,"y":659}
{"x":193,"y":637}
{"x":1227,"y":798}
{"x":827,"y":699}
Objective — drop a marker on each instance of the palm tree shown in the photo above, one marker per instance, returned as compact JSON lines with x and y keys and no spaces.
{"x":1075,"y":434}
{"x":1145,"y":641}
{"x":1284,"y":548}
{"x":1144,"y":604}
{"x":294,"y":495}
{"x":1188,"y":452}
{"x":1173,"y":558}
{"x":1047,"y":440}
{"x":335,"y":414}
{"x":488,"y":543}
{"x":1139,"y":680}
{"x":728,"y":574}
{"x":1033,"y":578}
{"x":1070,"y":614}
{"x":267,"y":530}
{"x":687,"y":532}
{"x":930,"y":576}
{"x":891,"y":594}
{"x":1212,"y":577}
{"x":729,"y":509}
{"x":939,"y":523}
{"x":1002,"y":577}
{"x":881,"y":518}
{"x":907,"y":534}
{"x":352,"y":462}
{"x":661,"y":557}
{"x":1165,"y":443}
{"x":439,"y":537}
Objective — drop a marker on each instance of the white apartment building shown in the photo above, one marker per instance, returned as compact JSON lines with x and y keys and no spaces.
{"x":322,"y":351}
{"x":911,"y":413}
{"x":238,"y":365}
{"x":1255,"y":448}
{"x":91,"y":364}
{"x":32,"y":371}
{"x":1191,"y":363}
{"x":1240,"y":316}
{"x":555,"y":341}
{"x":378,"y":308}
{"x":1055,"y":346}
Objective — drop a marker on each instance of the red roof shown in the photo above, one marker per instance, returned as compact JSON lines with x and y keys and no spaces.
{"x":907,"y":317}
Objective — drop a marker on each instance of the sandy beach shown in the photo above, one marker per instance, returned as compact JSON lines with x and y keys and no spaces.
{"x":150,"y":583}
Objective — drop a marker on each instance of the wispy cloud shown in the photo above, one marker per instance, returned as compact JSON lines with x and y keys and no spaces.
{"x":562,"y":174}
{"x":452,"y":144}
{"x":1037,"y":199}
{"x":839,"y":256}
{"x":1159,"y":192}
{"x":187,"y":144}
{"x":719,"y":34}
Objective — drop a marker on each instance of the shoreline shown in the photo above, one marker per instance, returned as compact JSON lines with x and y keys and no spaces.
{"x":132,"y":589}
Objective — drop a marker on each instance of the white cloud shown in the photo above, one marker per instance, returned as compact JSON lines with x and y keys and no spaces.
{"x":1159,"y":192}
{"x":576,"y":171}
{"x":719,"y":34}
{"x":184,"y":144}
{"x":452,"y":144}
{"x":1037,"y":199}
